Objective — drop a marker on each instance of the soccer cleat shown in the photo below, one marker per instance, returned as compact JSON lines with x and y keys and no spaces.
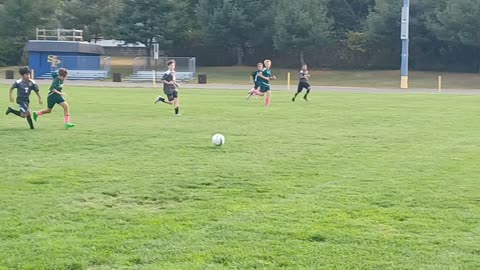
{"x":9,"y":111}
{"x":35,"y":116}
{"x":159,"y":99}
{"x":69,"y":125}
{"x":305,"y":98}
{"x":250,"y":94}
{"x":178,"y":114}
{"x":293,"y":99}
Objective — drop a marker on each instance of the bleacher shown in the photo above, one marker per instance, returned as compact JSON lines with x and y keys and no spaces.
{"x":141,"y":76}
{"x":80,"y":75}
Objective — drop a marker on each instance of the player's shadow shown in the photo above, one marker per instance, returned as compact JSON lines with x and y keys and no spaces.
{"x":17,"y":130}
{"x":208,"y":148}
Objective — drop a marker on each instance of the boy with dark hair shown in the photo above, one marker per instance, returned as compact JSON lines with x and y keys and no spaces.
{"x":303,"y":83}
{"x":256,"y":81}
{"x":24,"y":87}
{"x":170,"y":87}
{"x":55,"y":96}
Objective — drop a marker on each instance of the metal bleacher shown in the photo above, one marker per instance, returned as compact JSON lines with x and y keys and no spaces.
{"x":140,"y":76}
{"x":143,"y":68}
{"x":80,"y":75}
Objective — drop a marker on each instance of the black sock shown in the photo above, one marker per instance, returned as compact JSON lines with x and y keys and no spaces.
{"x":176,"y":110}
{"x":17,"y":113}
{"x":296,"y":94}
{"x":30,"y":122}
{"x":308,"y":91}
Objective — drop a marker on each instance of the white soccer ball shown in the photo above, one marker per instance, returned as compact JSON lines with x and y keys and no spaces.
{"x":218,"y":139}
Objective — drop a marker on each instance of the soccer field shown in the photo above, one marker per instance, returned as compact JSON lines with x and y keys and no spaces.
{"x":344,"y":181}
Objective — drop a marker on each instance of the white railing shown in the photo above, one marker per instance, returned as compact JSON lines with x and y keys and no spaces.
{"x":59,"y":34}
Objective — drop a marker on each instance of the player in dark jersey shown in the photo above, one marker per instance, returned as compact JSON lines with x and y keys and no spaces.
{"x":170,"y":88}
{"x":256,"y":80}
{"x":265,"y":78}
{"x":303,"y":83}
{"x":24,"y":87}
{"x":55,"y":96}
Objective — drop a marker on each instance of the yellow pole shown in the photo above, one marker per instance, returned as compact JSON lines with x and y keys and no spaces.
{"x":288,"y":81}
{"x":154,"y":79}
{"x":404,"y":82}
{"x":439,"y":84}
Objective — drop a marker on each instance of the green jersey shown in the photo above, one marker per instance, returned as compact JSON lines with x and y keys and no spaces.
{"x":266,"y":73}
{"x":57,"y":84}
{"x":54,"y":98}
{"x":255,"y":76}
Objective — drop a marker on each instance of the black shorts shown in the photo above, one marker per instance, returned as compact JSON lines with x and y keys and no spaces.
{"x":23,"y":104}
{"x":302,"y":85}
{"x":256,"y":85}
{"x":172,"y":95}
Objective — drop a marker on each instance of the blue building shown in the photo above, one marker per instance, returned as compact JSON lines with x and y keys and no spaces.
{"x":83,"y":60}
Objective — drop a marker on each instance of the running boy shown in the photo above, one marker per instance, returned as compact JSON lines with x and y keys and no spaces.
{"x":255,"y":78}
{"x":170,"y":87}
{"x":55,"y":96}
{"x":265,"y":78}
{"x":303,"y":83}
{"x":24,"y":87}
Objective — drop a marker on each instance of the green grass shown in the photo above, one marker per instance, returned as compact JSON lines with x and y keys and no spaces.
{"x":345,"y":181}
{"x":346,"y":78}
{"x":357,"y":78}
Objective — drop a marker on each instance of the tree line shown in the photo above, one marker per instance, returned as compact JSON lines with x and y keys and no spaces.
{"x":365,"y":34}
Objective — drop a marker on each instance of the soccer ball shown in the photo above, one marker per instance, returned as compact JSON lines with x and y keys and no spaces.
{"x":218,"y":139}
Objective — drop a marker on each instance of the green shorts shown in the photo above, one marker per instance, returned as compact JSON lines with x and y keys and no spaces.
{"x":264,"y":87}
{"x":54,"y":99}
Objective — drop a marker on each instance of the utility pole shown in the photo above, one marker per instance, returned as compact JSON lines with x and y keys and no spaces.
{"x":404,"y":38}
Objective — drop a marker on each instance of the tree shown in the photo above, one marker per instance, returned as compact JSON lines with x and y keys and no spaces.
{"x":225,"y":24}
{"x":349,"y":15}
{"x":146,"y":22}
{"x":301,"y":25}
{"x":458,"y":22}
{"x":190,"y":34}
{"x":383,"y":23}
{"x":383,"y":30}
{"x":18,"y":20}
{"x":95,"y":17}
{"x":261,"y":14}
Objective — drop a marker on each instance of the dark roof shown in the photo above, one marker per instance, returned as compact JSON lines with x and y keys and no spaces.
{"x":63,"y":46}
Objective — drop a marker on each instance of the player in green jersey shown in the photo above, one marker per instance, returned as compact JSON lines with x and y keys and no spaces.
{"x":256,"y":80}
{"x":55,"y":96}
{"x":265,"y":76}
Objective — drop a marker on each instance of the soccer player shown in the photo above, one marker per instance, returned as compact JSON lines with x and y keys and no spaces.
{"x":255,"y":78}
{"x":265,"y":78}
{"x":24,"y":87}
{"x":170,"y":87}
{"x":55,"y":96}
{"x":303,"y":83}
